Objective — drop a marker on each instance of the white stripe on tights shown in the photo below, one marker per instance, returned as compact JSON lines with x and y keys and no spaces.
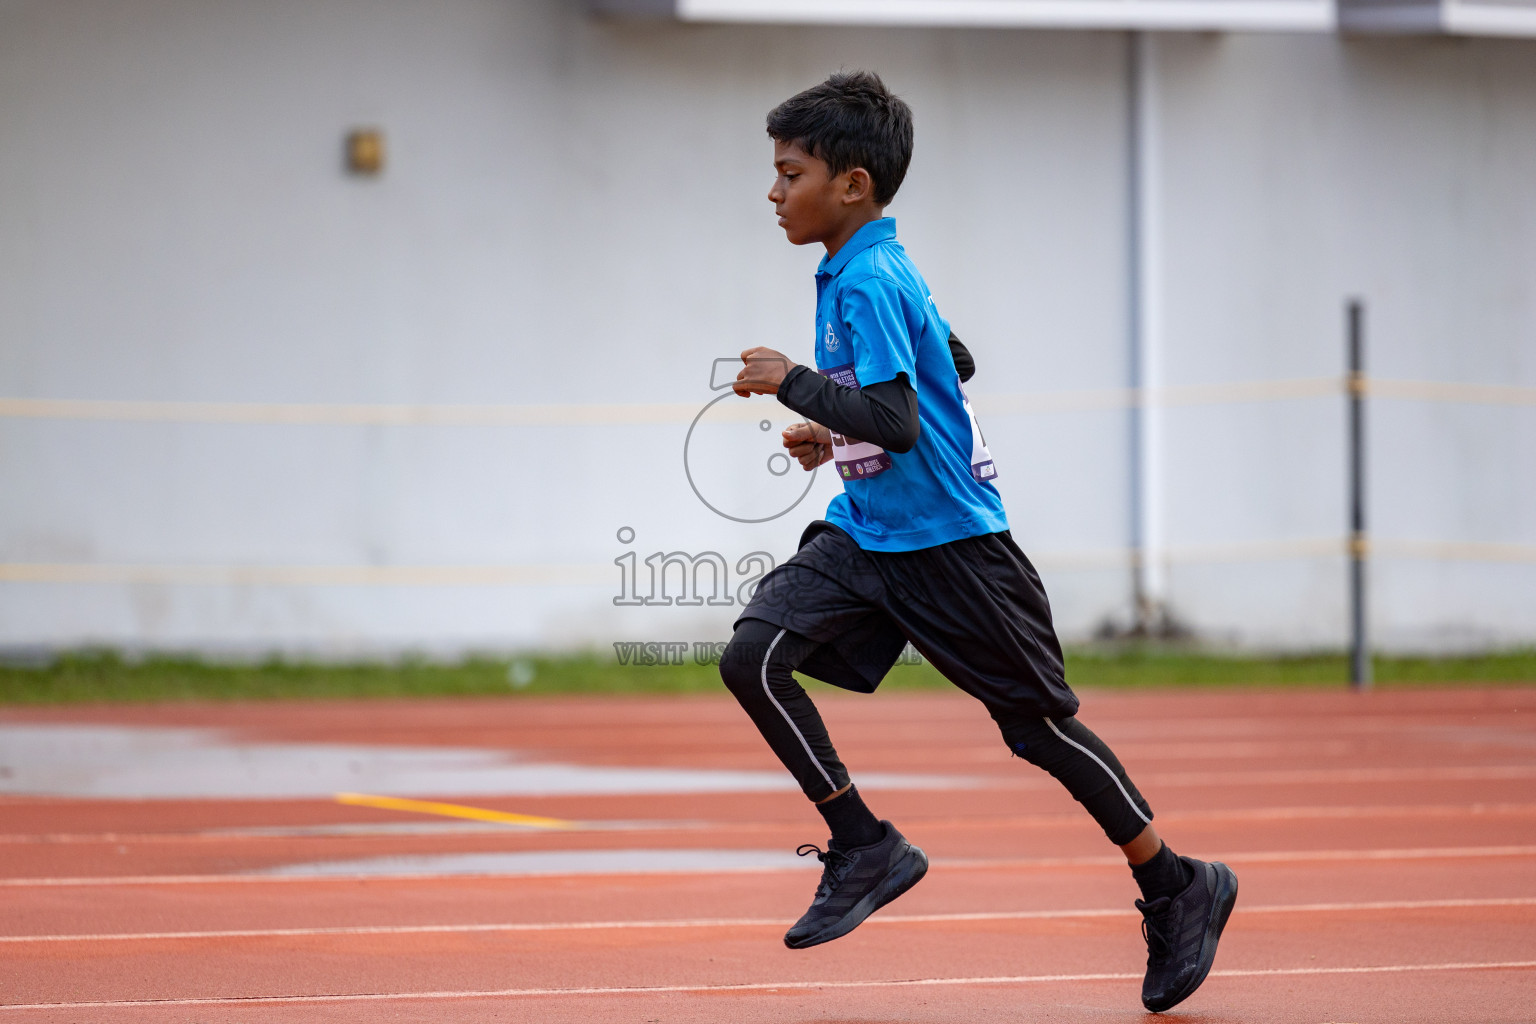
{"x":1113,"y":777}
{"x":798,"y":734}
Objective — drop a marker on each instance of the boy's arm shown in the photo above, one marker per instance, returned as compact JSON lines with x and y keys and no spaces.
{"x":884,"y":414}
{"x":965,"y":366}
{"x":888,"y":418}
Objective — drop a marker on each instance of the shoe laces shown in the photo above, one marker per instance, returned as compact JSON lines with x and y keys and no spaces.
{"x":834,"y":865}
{"x":1154,"y":923}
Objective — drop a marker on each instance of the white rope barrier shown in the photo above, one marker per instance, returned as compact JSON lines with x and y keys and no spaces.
{"x":532,"y":575}
{"x":593,"y":574}
{"x":609,"y":414}
{"x":536,"y":575}
{"x":317,"y":414}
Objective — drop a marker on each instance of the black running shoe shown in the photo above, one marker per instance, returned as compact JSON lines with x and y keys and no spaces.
{"x":854,"y":884}
{"x":1182,"y":931}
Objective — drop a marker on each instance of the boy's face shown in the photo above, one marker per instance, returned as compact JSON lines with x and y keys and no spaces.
{"x":812,"y":203}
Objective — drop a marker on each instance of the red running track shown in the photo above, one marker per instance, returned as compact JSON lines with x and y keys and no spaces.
{"x":1386,"y":845}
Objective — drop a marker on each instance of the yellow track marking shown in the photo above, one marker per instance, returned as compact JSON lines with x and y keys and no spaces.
{"x":391,"y":803}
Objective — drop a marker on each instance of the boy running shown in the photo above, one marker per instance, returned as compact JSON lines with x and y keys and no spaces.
{"x":916,"y":548}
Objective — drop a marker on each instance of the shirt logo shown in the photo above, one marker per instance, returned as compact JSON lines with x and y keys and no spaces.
{"x":830,"y":342}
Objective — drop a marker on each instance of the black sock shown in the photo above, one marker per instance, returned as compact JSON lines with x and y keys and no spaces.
{"x":851,"y":822}
{"x":1163,"y":875}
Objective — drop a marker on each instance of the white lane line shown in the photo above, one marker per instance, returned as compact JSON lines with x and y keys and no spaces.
{"x":1349,"y":811}
{"x":1261,"y":857}
{"x":765,"y":986}
{"x":1286,"y":776}
{"x":752,"y":922}
{"x":1257,"y":857}
{"x":1237,"y":778}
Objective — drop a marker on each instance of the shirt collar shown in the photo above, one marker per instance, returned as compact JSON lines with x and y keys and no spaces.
{"x":882,"y":230}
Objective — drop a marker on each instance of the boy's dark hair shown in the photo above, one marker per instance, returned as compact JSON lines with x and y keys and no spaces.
{"x":850,"y":120}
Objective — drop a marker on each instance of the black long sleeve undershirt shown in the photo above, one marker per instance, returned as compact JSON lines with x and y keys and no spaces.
{"x":883,"y":413}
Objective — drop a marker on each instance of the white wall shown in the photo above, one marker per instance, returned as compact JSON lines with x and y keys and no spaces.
{"x":1302,"y":170}
{"x":573,"y":214}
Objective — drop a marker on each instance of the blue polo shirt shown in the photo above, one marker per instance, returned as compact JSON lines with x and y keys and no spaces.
{"x":875,"y":319}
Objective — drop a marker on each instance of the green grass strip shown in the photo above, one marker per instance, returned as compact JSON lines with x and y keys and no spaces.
{"x":91,"y":676}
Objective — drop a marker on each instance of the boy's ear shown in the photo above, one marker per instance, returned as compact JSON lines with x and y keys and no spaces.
{"x":860,"y":186}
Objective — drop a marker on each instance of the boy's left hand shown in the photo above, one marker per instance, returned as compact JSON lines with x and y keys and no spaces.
{"x":764,"y":371}
{"x":810,"y":443}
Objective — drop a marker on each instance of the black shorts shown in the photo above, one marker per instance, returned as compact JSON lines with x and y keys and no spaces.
{"x":974,"y":608}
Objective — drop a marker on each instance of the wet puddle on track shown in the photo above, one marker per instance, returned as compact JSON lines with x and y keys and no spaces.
{"x":148,"y":763}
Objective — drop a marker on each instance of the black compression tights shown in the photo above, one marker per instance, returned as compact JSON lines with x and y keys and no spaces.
{"x":1082,"y":763}
{"x":757,"y":668}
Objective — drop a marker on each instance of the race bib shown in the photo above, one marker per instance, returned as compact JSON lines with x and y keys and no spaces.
{"x":855,"y":459}
{"x":982,"y":467}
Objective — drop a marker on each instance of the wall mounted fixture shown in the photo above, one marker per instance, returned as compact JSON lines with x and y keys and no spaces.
{"x":365,"y":152}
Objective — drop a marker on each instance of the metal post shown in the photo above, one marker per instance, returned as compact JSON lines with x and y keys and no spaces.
{"x":1144,"y":292}
{"x":1359,"y":652}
